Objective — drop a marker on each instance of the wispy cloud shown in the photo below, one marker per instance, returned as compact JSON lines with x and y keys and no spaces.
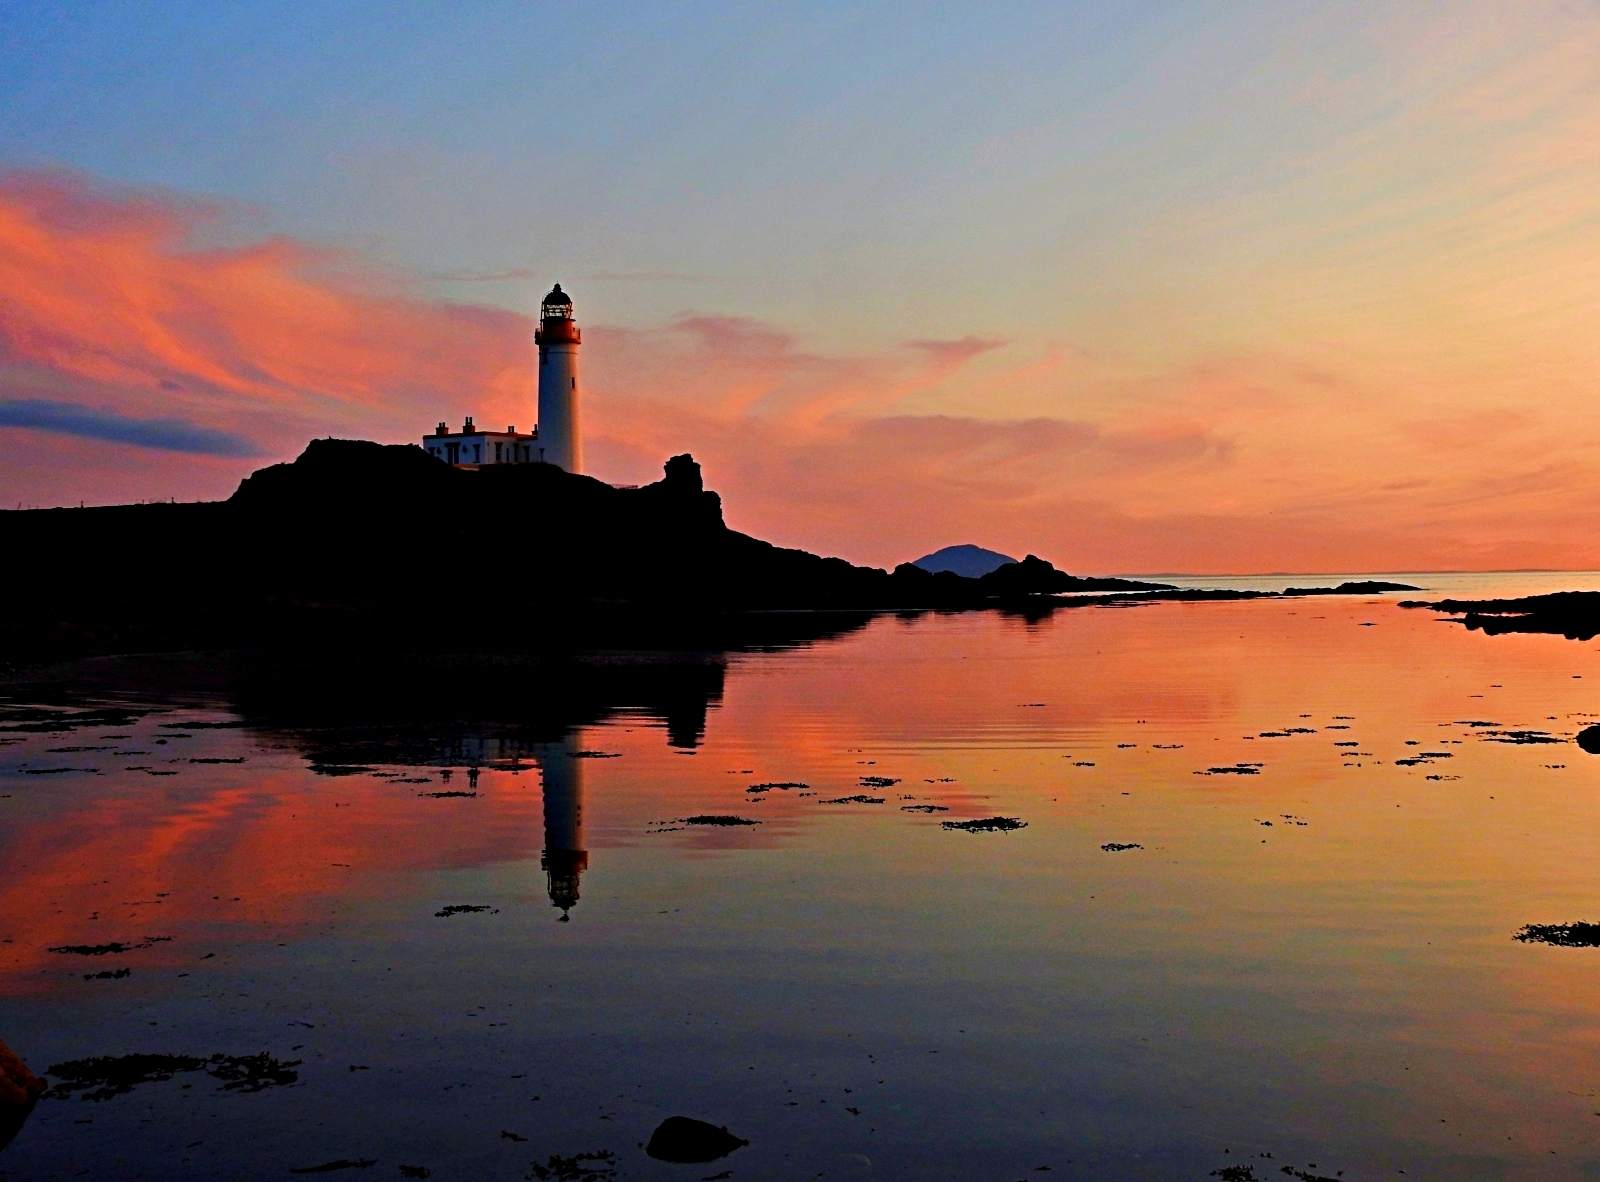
{"x":106,"y":286}
{"x":162,"y":434}
{"x":485,"y":276}
{"x":648,"y":277}
{"x":958,"y":351}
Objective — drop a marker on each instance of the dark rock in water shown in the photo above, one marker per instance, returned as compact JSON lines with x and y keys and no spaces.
{"x":1116,"y":847}
{"x":19,"y":1090}
{"x":987,"y":825}
{"x":1589,"y":739}
{"x":713,"y":819}
{"x":682,"y":1139}
{"x":1562,"y":935}
{"x":464,"y":909}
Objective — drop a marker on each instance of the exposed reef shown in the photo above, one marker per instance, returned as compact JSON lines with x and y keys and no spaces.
{"x":1367,"y":587}
{"x":1573,"y":614}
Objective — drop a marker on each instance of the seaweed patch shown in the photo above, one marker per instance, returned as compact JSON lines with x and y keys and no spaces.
{"x":344,"y":1163}
{"x":105,"y":1076}
{"x":987,"y":825}
{"x":580,"y":1167}
{"x":1521,"y":737}
{"x":1562,"y":935}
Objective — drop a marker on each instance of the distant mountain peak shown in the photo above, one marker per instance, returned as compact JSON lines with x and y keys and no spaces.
{"x":968,"y":561}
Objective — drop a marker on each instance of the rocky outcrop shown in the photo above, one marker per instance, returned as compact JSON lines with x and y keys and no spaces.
{"x":358,"y":542}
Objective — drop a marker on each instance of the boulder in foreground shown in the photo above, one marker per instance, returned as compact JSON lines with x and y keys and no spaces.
{"x":683,"y":1139}
{"x":19,"y":1089}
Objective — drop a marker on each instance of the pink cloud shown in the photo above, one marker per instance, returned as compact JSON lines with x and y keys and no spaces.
{"x":107,"y":289}
{"x":118,"y":318}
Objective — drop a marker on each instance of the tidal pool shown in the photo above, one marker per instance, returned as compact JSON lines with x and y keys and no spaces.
{"x":1252,"y":908}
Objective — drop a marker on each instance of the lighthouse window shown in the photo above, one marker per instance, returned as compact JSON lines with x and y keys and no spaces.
{"x":497,"y":453}
{"x":574,"y":383}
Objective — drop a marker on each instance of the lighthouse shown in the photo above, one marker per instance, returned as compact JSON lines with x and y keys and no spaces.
{"x":558,"y":339}
{"x":555,"y":439}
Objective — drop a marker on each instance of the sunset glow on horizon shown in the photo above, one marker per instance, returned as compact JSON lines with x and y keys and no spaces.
{"x":1137,"y":287}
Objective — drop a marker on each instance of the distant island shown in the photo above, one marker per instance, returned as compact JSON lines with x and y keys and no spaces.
{"x":357,"y":543}
{"x":969,"y":561}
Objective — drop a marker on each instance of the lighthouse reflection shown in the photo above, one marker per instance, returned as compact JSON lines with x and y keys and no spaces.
{"x":564,"y":858}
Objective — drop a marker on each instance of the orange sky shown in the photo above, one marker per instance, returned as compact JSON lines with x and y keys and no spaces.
{"x":1351,"y":329}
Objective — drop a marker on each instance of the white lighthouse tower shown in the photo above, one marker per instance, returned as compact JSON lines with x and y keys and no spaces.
{"x":558,"y":339}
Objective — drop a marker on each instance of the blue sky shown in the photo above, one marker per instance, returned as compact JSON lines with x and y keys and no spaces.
{"x":819,"y":164}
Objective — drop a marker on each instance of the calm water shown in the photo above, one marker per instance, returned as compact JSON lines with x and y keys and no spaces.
{"x":1308,"y":956}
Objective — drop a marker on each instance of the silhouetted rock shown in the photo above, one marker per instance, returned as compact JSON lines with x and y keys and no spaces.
{"x":682,"y":1139}
{"x":360,"y":543}
{"x":1370,"y":587}
{"x":20,"y":1089}
{"x":1573,"y":614}
{"x":1589,"y":739}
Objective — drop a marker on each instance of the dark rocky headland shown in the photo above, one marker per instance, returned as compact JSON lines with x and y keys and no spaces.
{"x":360,"y":544}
